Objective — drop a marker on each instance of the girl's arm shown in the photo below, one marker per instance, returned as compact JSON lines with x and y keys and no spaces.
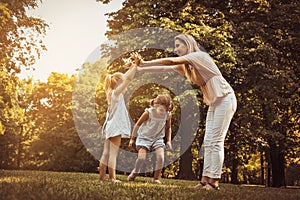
{"x":128,"y":76}
{"x":140,"y":121}
{"x":169,"y":133}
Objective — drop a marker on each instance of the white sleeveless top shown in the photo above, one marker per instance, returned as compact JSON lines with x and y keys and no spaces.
{"x":153,"y":128}
{"x":117,"y":120}
{"x":215,"y":85}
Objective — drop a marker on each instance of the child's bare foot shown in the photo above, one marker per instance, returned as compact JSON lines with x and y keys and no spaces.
{"x":102,"y":179}
{"x":115,"y":181}
{"x":156,"y":181}
{"x":132,"y":176}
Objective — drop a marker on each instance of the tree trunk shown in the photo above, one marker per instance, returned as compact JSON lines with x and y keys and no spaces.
{"x":185,"y":166}
{"x":187,"y":131}
{"x":186,"y":158}
{"x":277,"y":160}
{"x":235,"y":161}
{"x":19,"y":149}
{"x":269,"y":175}
{"x":262,"y":168}
{"x":234,"y":174}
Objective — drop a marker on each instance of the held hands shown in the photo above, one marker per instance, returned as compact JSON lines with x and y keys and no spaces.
{"x":129,"y":65}
{"x":169,"y":146}
{"x":138,"y":60}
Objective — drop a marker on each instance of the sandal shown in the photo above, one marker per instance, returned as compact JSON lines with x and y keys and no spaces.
{"x":201,"y":185}
{"x":212,"y":186}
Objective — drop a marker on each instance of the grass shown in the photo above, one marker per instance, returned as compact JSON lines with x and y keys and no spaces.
{"x":44,"y":185}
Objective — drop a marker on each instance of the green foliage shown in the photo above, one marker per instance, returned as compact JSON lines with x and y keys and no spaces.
{"x":58,"y":146}
{"x":53,"y":185}
{"x":20,"y":45}
{"x":20,"y":35}
{"x":10,"y":113}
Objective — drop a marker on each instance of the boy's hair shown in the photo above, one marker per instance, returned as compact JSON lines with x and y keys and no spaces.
{"x":163,"y":99}
{"x":111,"y":81}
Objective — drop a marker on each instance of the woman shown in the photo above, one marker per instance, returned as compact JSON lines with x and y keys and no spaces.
{"x":199,"y":68}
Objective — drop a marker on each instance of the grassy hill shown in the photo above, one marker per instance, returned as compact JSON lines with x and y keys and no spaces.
{"x":72,"y":186}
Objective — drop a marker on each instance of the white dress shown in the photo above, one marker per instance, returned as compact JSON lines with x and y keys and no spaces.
{"x":117,"y":120}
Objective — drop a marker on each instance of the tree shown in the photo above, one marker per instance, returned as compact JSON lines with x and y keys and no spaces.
{"x":9,"y":119}
{"x":58,"y":146}
{"x":20,"y":35}
{"x":266,"y":39}
{"x":20,"y":45}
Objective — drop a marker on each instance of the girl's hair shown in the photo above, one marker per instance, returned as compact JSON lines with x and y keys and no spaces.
{"x":163,"y":99}
{"x":111,"y":82}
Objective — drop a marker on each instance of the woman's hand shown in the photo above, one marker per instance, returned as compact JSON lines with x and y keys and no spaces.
{"x":138,"y":60}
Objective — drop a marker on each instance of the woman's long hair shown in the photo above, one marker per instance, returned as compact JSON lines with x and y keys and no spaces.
{"x":192,"y":46}
{"x":111,"y":82}
{"x":189,"y":41}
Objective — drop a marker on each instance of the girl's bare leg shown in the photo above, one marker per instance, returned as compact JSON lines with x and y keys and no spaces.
{"x":138,"y":164}
{"x":114,"y":145}
{"x":140,"y":160}
{"x":159,"y":153}
{"x":104,"y":160}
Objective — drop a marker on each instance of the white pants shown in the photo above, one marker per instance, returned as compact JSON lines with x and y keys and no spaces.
{"x":218,"y":119}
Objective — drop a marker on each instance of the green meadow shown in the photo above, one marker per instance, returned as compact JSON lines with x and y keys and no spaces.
{"x":65,"y":185}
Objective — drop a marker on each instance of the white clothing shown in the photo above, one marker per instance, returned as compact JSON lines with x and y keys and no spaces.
{"x":219,"y":95}
{"x":117,"y":120}
{"x":152,"y":132}
{"x":218,"y":119}
{"x":215,"y":85}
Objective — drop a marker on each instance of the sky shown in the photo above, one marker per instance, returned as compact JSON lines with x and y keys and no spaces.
{"x":77,"y":28}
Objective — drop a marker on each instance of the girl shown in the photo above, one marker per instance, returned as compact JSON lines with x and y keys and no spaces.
{"x":149,"y":132}
{"x":117,"y":123}
{"x":200,"y":68}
